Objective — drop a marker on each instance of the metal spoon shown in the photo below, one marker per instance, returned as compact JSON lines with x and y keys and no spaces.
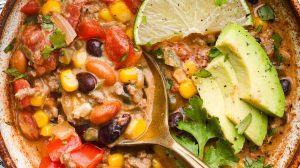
{"x":158,"y":131}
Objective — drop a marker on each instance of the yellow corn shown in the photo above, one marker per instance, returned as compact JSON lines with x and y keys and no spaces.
{"x":187,"y":89}
{"x":259,"y":22}
{"x":116,"y":160}
{"x":46,"y":130}
{"x":190,"y":67}
{"x":128,"y":75}
{"x":105,"y":14}
{"x":41,"y":118}
{"x":120,"y":11}
{"x":129,"y":32}
{"x":51,"y":6}
{"x":156,"y":163}
{"x":135,"y":129}
{"x":160,"y":151}
{"x":68,"y":81}
{"x":37,"y":99}
{"x":79,"y":59}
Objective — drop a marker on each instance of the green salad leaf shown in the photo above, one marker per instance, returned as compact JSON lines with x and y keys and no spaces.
{"x":199,"y":125}
{"x":221,"y":155}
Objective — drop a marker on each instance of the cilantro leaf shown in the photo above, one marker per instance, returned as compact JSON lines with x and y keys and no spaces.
{"x":277,"y":43}
{"x":187,"y":142}
{"x":47,"y":23}
{"x":203,"y":73}
{"x":201,"y":127}
{"x":10,"y":46}
{"x":124,"y":56}
{"x":243,"y":125}
{"x":159,"y":53}
{"x":248,"y":163}
{"x":220,"y":2}
{"x":169,"y":84}
{"x":47,"y":51}
{"x":32,"y":19}
{"x":214,"y":52}
{"x":221,"y":155}
{"x":266,"y":13}
{"x":58,"y":39}
{"x":15,"y":73}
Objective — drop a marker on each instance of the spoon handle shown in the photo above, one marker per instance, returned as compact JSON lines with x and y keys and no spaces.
{"x":188,"y":156}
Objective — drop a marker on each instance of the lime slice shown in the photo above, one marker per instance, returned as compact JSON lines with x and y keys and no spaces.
{"x":158,"y":20}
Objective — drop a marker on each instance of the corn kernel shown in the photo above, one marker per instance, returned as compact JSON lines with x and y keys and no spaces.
{"x":79,"y":58}
{"x":129,"y":32}
{"x":116,"y":160}
{"x":51,"y":6}
{"x":135,"y":129}
{"x":41,"y":118}
{"x":68,"y":81}
{"x":190,"y":67}
{"x":259,"y":22}
{"x":120,"y":11}
{"x":160,"y":151}
{"x":156,"y":163}
{"x":105,"y":14}
{"x":46,"y":130}
{"x":128,"y":75}
{"x":187,"y":89}
{"x":37,"y":99}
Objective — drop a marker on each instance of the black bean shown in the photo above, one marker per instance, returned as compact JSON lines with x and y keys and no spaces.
{"x":174,"y":118}
{"x":253,"y":2}
{"x":87,"y":82}
{"x":80,"y":129}
{"x":258,"y":39}
{"x":286,"y":86}
{"x":113,"y":130}
{"x":93,"y":47}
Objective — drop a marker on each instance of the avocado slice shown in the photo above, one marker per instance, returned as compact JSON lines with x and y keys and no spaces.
{"x":257,"y":77}
{"x":235,"y":109}
{"x":214,"y":103}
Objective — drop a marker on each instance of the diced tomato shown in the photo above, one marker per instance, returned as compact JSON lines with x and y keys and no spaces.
{"x":108,"y":1}
{"x":32,"y":7}
{"x":132,"y":58}
{"x":90,"y":29}
{"x":133,"y":5}
{"x":22,"y":84}
{"x":88,"y":156}
{"x":73,"y":11}
{"x":57,"y":147}
{"x":117,"y":43}
{"x":33,"y":38}
{"x":48,"y":163}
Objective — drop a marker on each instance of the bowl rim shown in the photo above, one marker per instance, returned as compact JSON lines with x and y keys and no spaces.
{"x":8,"y":7}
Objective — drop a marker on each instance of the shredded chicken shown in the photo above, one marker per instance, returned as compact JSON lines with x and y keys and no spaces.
{"x":267,"y":41}
{"x":25,"y":92}
{"x":137,"y":94}
{"x":142,"y":160}
{"x":119,"y":90}
{"x":97,"y":96}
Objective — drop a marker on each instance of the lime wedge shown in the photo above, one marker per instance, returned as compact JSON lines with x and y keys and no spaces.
{"x":158,"y":20}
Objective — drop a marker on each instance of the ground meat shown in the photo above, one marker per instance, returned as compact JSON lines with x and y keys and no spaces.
{"x":53,"y":82}
{"x":142,"y":160}
{"x":267,"y":41}
{"x":25,"y":92}
{"x":96,"y":96}
{"x":142,"y":104}
{"x":136,"y":94}
{"x":201,"y":57}
{"x":119,"y":90}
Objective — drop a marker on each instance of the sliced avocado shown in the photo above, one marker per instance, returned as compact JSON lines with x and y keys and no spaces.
{"x":257,"y":77}
{"x":214,"y":103}
{"x":235,"y":109}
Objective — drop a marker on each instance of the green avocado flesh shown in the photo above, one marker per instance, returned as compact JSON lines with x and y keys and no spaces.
{"x":235,"y":109}
{"x":214,"y":103}
{"x":258,"y":81}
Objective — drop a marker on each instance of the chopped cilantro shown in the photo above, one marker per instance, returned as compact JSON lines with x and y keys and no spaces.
{"x":179,"y":164}
{"x":277,"y":43}
{"x":259,"y":28}
{"x":272,"y":131}
{"x":248,"y":163}
{"x":144,"y":20}
{"x":47,"y":51}
{"x":159,"y":53}
{"x":220,"y":2}
{"x":169,"y":84}
{"x":47,"y":23}
{"x":214,"y":52}
{"x":58,"y":39}
{"x":15,"y":73}
{"x":266,"y":13}
{"x":243,"y":125}
{"x":203,"y":73}
{"x":199,"y":125}
{"x":32,"y":19}
{"x":124,"y":56}
{"x":10,"y":46}
{"x":187,"y":142}
{"x":221,"y":155}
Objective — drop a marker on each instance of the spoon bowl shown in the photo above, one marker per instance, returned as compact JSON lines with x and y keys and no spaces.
{"x":158,"y":131}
